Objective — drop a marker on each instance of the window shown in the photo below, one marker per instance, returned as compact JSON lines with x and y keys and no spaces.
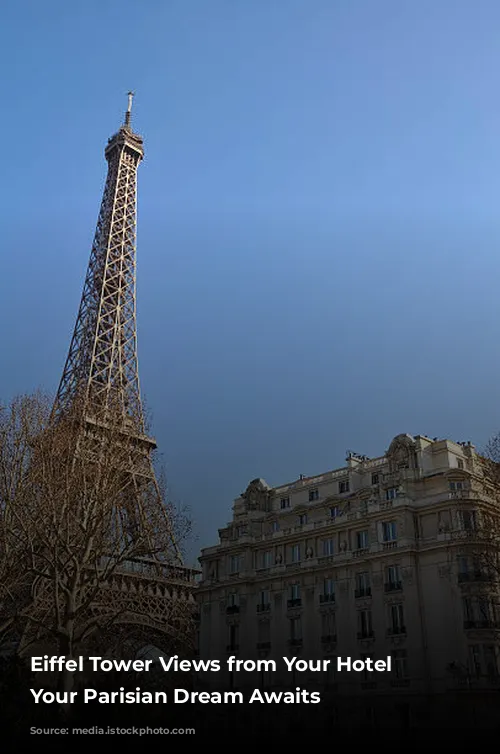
{"x":490,"y":661}
{"x":343,"y":486}
{"x":334,"y":512}
{"x":295,"y":553}
{"x":396,"y":617}
{"x":479,"y":612}
{"x":392,"y":578}
{"x":328,"y":627}
{"x":391,"y":493}
{"x":467,"y":520}
{"x":267,"y":559}
{"x":233,"y":599}
{"x":468,"y":609}
{"x":374,"y":479}
{"x":295,"y":592}
{"x":313,"y":495}
{"x":363,"y":588}
{"x":389,"y":531}
{"x":234,"y":564}
{"x":475,"y":660}
{"x":303,"y":519}
{"x":264,"y":632}
{"x":329,"y":587}
{"x":328,"y":547}
{"x":233,"y":636}
{"x":460,"y":463}
{"x":295,"y":630}
{"x":463,"y":564}
{"x":265,"y":679}
{"x":284,"y":503}
{"x":361,"y":540}
{"x":485,"y":609}
{"x":276,"y":526}
{"x":456,"y":486}
{"x":400,"y":663}
{"x":367,"y":675}
{"x":365,"y":630}
{"x":470,"y":568}
{"x":265,"y":598}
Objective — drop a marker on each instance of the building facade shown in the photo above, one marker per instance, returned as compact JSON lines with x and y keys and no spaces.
{"x":382,"y":557}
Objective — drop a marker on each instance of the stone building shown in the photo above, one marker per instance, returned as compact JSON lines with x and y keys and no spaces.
{"x":384,"y":557}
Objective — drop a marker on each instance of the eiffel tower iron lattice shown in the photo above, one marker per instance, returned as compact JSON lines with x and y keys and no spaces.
{"x":101,"y":372}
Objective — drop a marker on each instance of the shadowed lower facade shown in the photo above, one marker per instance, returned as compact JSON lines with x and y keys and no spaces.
{"x":388,"y":557}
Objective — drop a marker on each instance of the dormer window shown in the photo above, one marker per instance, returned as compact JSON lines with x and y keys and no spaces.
{"x":313,"y":495}
{"x":343,"y":486}
{"x":303,"y":519}
{"x":284,"y":503}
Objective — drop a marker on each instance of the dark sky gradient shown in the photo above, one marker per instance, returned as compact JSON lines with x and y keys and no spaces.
{"x":319,"y":227}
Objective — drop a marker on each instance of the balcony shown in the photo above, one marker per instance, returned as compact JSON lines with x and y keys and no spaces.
{"x":360,"y":552}
{"x":263,"y":607}
{"x":232,"y":609}
{"x":396,"y":631}
{"x":295,"y":642}
{"x":366,"y":635}
{"x":294,"y":603}
{"x":481,"y":624}
{"x":264,"y":645}
{"x":324,"y":598}
{"x":393,"y":586}
{"x":365,"y":592}
{"x":389,"y":545}
{"x":471,"y":576}
{"x":328,"y":639}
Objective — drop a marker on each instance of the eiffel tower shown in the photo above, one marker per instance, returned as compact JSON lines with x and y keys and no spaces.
{"x":101,"y":375}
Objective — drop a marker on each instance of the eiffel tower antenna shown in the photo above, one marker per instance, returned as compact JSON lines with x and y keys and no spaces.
{"x":101,"y":374}
{"x":129,"y":108}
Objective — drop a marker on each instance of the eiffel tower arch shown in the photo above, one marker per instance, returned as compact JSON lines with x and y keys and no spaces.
{"x":100,"y":394}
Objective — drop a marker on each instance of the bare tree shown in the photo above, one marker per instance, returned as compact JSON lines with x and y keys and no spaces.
{"x":86,"y":545}
{"x":487,"y":524}
{"x":25,"y":418}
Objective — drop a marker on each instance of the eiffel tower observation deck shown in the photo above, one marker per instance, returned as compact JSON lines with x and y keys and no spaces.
{"x":100,"y":379}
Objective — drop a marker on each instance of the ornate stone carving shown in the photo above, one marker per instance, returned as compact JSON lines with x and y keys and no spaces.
{"x":257,"y":496}
{"x":401,"y":454}
{"x":309,"y":552}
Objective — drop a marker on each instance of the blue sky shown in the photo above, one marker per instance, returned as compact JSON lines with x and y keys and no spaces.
{"x":319,"y":225}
